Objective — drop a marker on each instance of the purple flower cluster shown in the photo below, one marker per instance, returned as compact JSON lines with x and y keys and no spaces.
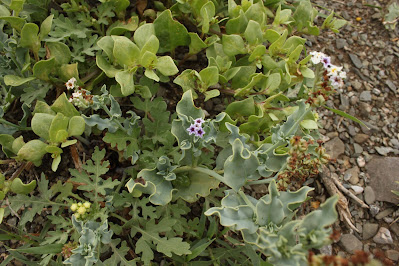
{"x":196,"y":128}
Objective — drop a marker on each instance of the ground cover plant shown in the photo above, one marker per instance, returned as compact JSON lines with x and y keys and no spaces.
{"x":117,"y":93}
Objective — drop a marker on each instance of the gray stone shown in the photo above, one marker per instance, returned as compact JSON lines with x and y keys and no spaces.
{"x":326,"y":250}
{"x":384,"y":171}
{"x":388,"y":60}
{"x":369,"y":230}
{"x":365,"y":96}
{"x":393,"y":255}
{"x":358,"y":148}
{"x":356,"y":61}
{"x":356,"y":84}
{"x":384,"y":213}
{"x":360,"y":138}
{"x":353,"y":174}
{"x":391,"y":85}
{"x":340,"y":43}
{"x":369,"y":195}
{"x":335,"y":147}
{"x":383,"y":236}
{"x":384,"y":151}
{"x":350,"y":243}
{"x":374,"y":210}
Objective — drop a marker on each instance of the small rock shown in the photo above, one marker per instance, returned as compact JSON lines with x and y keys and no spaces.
{"x":384,"y":151}
{"x":391,"y":85}
{"x":357,"y":189}
{"x":360,"y":138}
{"x":369,"y":195}
{"x":326,"y":250}
{"x":393,"y":255}
{"x":369,"y":230}
{"x":356,"y":61}
{"x":384,"y":172}
{"x":388,"y":60}
{"x":335,"y":147}
{"x":384,"y":213}
{"x":360,"y":161}
{"x":374,"y":210}
{"x":350,"y":243}
{"x":356,"y":84}
{"x":341,"y":43}
{"x":365,"y":96}
{"x":358,"y":148}
{"x":383,"y":236}
{"x":353,"y":174}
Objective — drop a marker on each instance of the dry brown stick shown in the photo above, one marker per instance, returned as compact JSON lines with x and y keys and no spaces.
{"x":342,"y":205}
{"x":349,"y":194}
{"x":76,"y":158}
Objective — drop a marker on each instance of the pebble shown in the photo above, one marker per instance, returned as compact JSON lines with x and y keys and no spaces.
{"x":356,"y":61}
{"x":335,"y":147}
{"x":384,"y":213}
{"x":369,"y":195}
{"x":365,"y":96}
{"x":360,"y":161}
{"x":369,"y":230}
{"x":393,"y":255}
{"x":358,"y":148}
{"x":352,"y":175}
{"x":361,"y":138}
{"x":388,"y":60}
{"x":383,"y":236}
{"x":357,"y":189}
{"x":384,"y":151}
{"x":374,"y":210}
{"x":391,"y":85}
{"x":326,"y":250}
{"x":341,"y":43}
{"x":350,"y":243}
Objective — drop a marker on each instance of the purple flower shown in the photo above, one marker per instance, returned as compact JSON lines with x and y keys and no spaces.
{"x":199,"y":132}
{"x":199,"y":121}
{"x":192,"y":130}
{"x":326,"y":60}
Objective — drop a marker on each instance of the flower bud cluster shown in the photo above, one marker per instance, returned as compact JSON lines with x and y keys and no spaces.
{"x":304,"y":162}
{"x":81,"y":98}
{"x":80,"y":209}
{"x":196,"y":128}
{"x":67,"y":249}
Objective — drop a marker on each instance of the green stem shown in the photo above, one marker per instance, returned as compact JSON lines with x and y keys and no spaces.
{"x":200,"y":170}
{"x":317,"y":76}
{"x":83,"y":140}
{"x":247,"y":201}
{"x":3,"y":121}
{"x":119,"y":217}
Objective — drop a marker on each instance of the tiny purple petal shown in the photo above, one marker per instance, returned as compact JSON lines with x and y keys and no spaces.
{"x":326,"y":60}
{"x":200,"y":132}
{"x":199,"y":121}
{"x":196,"y":125}
{"x":192,"y":130}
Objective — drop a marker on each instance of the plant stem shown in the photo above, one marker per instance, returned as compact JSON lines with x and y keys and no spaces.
{"x":83,"y":140}
{"x":247,"y":201}
{"x":119,"y":217}
{"x":3,"y":121}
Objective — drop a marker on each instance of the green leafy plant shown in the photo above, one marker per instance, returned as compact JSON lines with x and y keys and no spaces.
{"x":162,"y":176}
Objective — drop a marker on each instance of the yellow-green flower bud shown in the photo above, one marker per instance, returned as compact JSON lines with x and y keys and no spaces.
{"x":87,"y":205}
{"x":74,"y":207}
{"x":81,"y":210}
{"x":77,"y":215}
{"x":79,"y":204}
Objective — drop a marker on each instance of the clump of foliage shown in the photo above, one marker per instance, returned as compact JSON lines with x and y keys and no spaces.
{"x":115,"y":81}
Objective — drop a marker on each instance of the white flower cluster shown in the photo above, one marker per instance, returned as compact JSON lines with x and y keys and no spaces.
{"x":335,"y":73}
{"x":80,"y":97}
{"x":81,"y":209}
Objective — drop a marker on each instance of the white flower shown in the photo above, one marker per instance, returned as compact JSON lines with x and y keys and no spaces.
{"x":334,"y":70}
{"x":317,"y":57}
{"x":70,"y":84}
{"x":342,"y":75}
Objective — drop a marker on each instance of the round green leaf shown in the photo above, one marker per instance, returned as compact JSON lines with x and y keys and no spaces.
{"x":76,"y":126}
{"x":33,"y":151}
{"x":11,"y":80}
{"x":166,"y":66}
{"x":41,"y":125}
